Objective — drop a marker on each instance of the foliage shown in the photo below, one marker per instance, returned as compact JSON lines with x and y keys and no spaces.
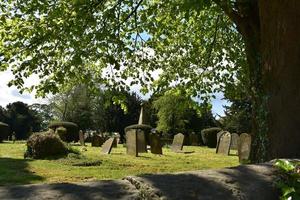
{"x":4,"y":131}
{"x":45,"y":145}
{"x":22,"y":120}
{"x":71,"y":134}
{"x":209,"y":136}
{"x":289,"y":179}
{"x":44,"y":113}
{"x":178,"y":113}
{"x":15,"y":170}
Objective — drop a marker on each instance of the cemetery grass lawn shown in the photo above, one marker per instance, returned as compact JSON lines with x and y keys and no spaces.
{"x":14,"y":169}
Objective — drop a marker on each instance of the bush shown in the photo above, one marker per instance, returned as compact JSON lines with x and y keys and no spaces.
{"x":209,"y":136}
{"x":44,"y":145}
{"x":4,"y":131}
{"x":72,"y":130}
{"x":61,"y":132}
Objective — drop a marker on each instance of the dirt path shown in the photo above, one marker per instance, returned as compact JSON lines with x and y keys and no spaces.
{"x":242,"y":182}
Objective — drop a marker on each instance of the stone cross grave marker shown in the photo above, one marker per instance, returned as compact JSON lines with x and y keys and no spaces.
{"x":155,"y":144}
{"x":224,"y":143}
{"x":141,"y":141}
{"x":193,"y":139}
{"x":131,"y":142}
{"x":244,"y":147}
{"x":234,"y":141}
{"x":177,"y":144}
{"x":107,"y":146}
{"x":81,"y":138}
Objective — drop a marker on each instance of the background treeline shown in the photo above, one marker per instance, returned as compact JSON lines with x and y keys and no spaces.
{"x":170,"y":112}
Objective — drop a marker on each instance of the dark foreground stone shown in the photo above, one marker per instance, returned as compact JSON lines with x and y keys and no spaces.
{"x":244,"y":182}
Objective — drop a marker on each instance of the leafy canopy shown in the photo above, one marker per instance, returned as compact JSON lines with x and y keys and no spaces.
{"x":192,"y":44}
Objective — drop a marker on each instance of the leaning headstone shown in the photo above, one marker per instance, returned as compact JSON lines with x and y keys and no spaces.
{"x":177,"y":144}
{"x":234,"y":141}
{"x":224,"y":143}
{"x":155,"y":144}
{"x":81,"y":138}
{"x":141,"y":141}
{"x":97,"y":141}
{"x":193,"y":139}
{"x":131,"y":142}
{"x":244,"y":147}
{"x":218,"y":139}
{"x":107,"y":146}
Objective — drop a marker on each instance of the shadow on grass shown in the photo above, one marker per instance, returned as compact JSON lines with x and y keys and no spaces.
{"x":15,"y":171}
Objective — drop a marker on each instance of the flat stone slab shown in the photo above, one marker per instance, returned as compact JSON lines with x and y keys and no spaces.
{"x":245,"y":182}
{"x":100,"y":190}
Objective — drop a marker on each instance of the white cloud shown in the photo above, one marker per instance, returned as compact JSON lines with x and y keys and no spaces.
{"x":11,"y":94}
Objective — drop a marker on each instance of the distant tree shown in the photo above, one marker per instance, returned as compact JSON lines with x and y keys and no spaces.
{"x":43,"y":112}
{"x":21,"y":119}
{"x":177,"y":112}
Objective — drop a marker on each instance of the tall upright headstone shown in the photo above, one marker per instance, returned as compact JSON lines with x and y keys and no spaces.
{"x":142,"y":118}
{"x":224,"y":143}
{"x":219,"y":134}
{"x":155,"y":144}
{"x":244,"y":147}
{"x":177,"y":144}
{"x":141,"y":141}
{"x":193,"y":139}
{"x":107,"y":146}
{"x":131,"y":142}
{"x":81,"y":138}
{"x":235,"y":138}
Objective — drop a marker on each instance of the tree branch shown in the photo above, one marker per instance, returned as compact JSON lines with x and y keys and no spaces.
{"x":229,"y":11}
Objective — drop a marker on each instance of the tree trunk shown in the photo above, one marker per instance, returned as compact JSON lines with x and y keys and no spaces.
{"x":280,"y":37}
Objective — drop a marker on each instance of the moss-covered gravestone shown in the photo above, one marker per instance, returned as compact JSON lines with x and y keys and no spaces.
{"x":177,"y":144}
{"x":224,"y":144}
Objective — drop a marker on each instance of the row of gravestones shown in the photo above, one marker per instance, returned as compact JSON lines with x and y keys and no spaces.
{"x":97,"y":141}
{"x":136,"y":143}
{"x":227,"y":141}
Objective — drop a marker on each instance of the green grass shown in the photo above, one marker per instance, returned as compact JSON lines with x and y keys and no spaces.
{"x":14,"y":169}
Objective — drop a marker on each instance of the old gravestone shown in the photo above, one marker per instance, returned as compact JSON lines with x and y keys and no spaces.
{"x":218,"y":139}
{"x":234,"y":141}
{"x":107,"y":146}
{"x":131,"y":142}
{"x":244,"y":147}
{"x":155,"y":144}
{"x":97,"y":140}
{"x":141,"y":141}
{"x":115,"y":142}
{"x":81,"y":138}
{"x":177,"y":144}
{"x":224,"y":143}
{"x":193,"y":139}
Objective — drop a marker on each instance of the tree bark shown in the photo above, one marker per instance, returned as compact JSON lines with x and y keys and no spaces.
{"x":280,"y":36}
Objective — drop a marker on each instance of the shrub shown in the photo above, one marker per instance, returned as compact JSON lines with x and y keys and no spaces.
{"x":4,"y":131}
{"x":72,"y":130}
{"x":209,"y":136}
{"x":44,"y":145}
{"x":61,"y":132}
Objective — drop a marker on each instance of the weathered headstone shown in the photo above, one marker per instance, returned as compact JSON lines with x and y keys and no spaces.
{"x":81,"y":138}
{"x":131,"y":142}
{"x":97,"y":141}
{"x":177,"y":144}
{"x":141,"y":141}
{"x":155,"y":144}
{"x":244,"y":147}
{"x":193,"y":139}
{"x":234,"y":141}
{"x":224,"y":143}
{"x":107,"y":146}
{"x":218,"y":139}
